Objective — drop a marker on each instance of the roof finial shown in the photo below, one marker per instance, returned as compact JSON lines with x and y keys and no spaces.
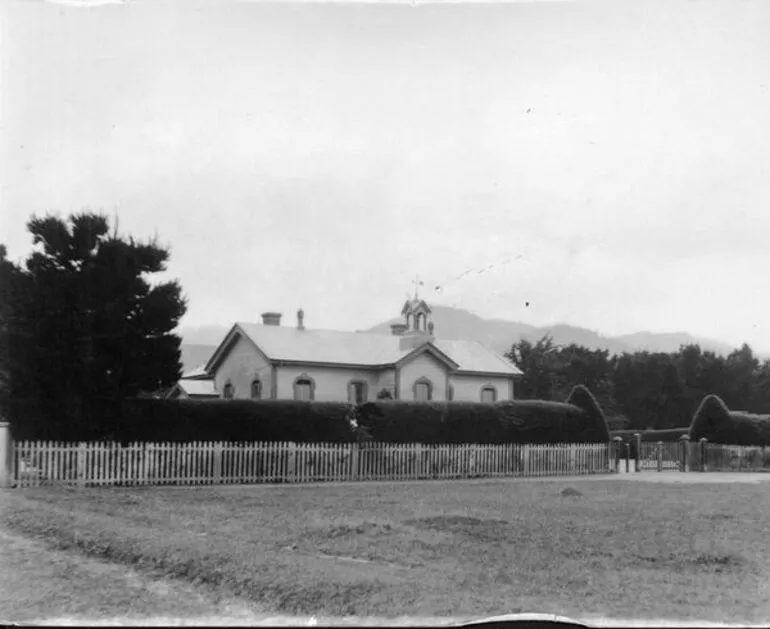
{"x":417,"y":283}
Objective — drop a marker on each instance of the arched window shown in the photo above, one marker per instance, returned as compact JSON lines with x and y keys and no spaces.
{"x":420,"y":323}
{"x":423,"y":390}
{"x":409,"y":322}
{"x":488,"y":394}
{"x":256,"y":389}
{"x":358,"y":391}
{"x":304,"y":388}
{"x":228,"y":392}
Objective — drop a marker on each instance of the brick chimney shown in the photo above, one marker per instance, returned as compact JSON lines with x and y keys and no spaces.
{"x":398,"y":329}
{"x":300,"y":319}
{"x":271,"y":318}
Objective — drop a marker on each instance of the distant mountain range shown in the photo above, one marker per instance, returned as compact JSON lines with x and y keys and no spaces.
{"x":198,"y":343}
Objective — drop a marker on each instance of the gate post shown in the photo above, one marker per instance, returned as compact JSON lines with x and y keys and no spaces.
{"x":82,"y":454}
{"x":616,"y":454}
{"x":638,"y":443}
{"x":6,"y":456}
{"x":660,"y":456}
{"x":703,"y":442}
{"x":628,"y":456}
{"x":354,"y":461}
{"x":684,"y":451}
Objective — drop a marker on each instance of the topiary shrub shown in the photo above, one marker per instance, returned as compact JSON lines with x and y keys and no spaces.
{"x":714,"y":421}
{"x":581,"y":397}
{"x":515,"y":421}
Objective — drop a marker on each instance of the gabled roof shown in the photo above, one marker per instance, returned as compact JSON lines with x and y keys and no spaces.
{"x":428,"y":348}
{"x":473,"y":356}
{"x":279,"y":343}
{"x":412,"y":305}
{"x":197,"y":388}
{"x":196,"y":374}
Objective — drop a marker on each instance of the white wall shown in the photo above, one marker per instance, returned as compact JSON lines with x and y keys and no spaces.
{"x":240,"y":366}
{"x":468,"y":388}
{"x":424,"y":365}
{"x":331,"y":384}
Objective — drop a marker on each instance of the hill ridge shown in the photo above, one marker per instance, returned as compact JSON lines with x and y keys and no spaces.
{"x":198,"y":343}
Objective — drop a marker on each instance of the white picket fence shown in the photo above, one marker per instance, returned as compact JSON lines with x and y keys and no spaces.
{"x":91,"y":464}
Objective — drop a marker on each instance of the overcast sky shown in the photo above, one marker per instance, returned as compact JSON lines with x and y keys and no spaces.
{"x":614,"y":152}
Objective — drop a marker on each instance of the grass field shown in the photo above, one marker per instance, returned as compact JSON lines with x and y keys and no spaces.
{"x":462,"y":549}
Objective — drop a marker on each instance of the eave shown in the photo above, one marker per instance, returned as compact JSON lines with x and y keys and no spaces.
{"x":489,"y":374}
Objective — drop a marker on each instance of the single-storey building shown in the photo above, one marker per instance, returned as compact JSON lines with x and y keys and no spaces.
{"x":271,"y":361}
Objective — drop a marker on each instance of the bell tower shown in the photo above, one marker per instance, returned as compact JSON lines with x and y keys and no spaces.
{"x":418,"y":325}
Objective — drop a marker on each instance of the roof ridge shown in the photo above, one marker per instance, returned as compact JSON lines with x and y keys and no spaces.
{"x":306,"y":330}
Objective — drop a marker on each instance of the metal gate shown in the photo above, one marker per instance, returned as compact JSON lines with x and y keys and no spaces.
{"x":659,"y":456}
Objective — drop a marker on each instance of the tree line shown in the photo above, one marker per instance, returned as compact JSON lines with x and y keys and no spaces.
{"x":644,"y":390}
{"x":84,"y":324}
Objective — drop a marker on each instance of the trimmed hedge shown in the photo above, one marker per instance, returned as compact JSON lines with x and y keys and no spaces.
{"x":666,"y":435}
{"x":156,"y":420}
{"x":714,"y":421}
{"x":518,"y":421}
{"x":579,"y":420}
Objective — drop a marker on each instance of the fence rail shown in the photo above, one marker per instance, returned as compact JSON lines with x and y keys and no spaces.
{"x":727,"y":458}
{"x":93,"y":464}
{"x":686,"y":456}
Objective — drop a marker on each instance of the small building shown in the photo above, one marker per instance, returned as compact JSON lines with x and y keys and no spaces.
{"x":196,"y":384}
{"x":271,"y":361}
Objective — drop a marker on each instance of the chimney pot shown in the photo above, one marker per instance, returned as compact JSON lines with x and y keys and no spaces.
{"x":271,"y":318}
{"x":300,"y":319}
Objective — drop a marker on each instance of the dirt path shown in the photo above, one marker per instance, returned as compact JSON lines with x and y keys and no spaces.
{"x":40,"y":585}
{"x":691,"y":478}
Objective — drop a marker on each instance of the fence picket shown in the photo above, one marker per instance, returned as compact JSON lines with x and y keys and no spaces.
{"x":203,"y":463}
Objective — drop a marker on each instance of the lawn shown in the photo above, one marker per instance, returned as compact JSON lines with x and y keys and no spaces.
{"x":460,"y":548}
{"x":43,"y":585}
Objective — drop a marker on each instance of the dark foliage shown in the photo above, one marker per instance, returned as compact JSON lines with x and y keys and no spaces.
{"x":653,"y":436}
{"x":581,"y":397}
{"x":644,"y":391}
{"x":714,"y":421}
{"x":518,"y":421}
{"x":84,"y":327}
{"x":156,"y":420}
